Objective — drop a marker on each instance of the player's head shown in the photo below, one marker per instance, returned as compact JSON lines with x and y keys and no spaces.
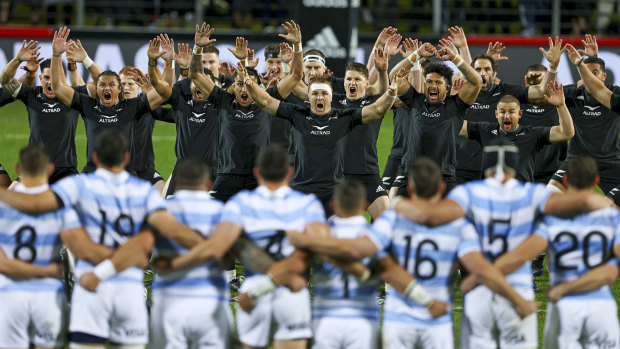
{"x":128,"y":84}
{"x":273,"y":60}
{"x":192,"y":174}
{"x":355,"y":80}
{"x":241,"y":92}
{"x":314,"y":64}
{"x":425,"y":179}
{"x":534,"y":74}
{"x":596,"y":66}
{"x":272,"y":165}
{"x":111,"y":149}
{"x":211,"y":59}
{"x":197,"y":95}
{"x":500,"y":159}
{"x":108,"y":88}
{"x":581,"y":173}
{"x":320,"y":95}
{"x":508,"y":113}
{"x":46,"y":77}
{"x":437,"y":79}
{"x":34,"y":162}
{"x":349,"y":198}
{"x":487,"y":68}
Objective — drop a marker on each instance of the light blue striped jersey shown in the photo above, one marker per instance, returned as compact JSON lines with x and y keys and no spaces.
{"x":197,"y":210}
{"x":429,"y":254}
{"x":112,"y":207}
{"x":265,"y":215}
{"x":338,"y":294}
{"x":32,"y":239}
{"x":579,"y":244}
{"x":504,"y":216}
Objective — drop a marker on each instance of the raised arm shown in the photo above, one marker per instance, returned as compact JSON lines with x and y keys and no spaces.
{"x":457,"y":36}
{"x":419,"y":55}
{"x":468,"y":92}
{"x":31,"y":67}
{"x":287,"y":85}
{"x":63,"y":91}
{"x":536,"y":93}
{"x":182,"y":59}
{"x":258,"y":95}
{"x":196,"y":69}
{"x":160,"y":85}
{"x":594,"y":85}
{"x":26,"y":52}
{"x":381,"y":59}
{"x":384,"y":103}
{"x":167,"y":46}
{"x":77,"y":53}
{"x":565,"y":130}
{"x":381,"y":43}
{"x":153,"y":52}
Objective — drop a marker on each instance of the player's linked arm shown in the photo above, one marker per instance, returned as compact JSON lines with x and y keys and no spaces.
{"x":14,"y":268}
{"x":424,"y":212}
{"x":529,"y":249}
{"x":30,"y":203}
{"x":82,"y":247}
{"x":592,"y":280}
{"x":165,"y":223}
{"x":560,"y":204}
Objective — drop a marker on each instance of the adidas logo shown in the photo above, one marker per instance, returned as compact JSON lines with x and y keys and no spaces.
{"x":494,"y":132}
{"x":379,"y":189}
{"x":326,"y":41}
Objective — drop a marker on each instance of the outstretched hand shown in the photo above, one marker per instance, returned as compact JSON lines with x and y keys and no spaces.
{"x":393,"y":46}
{"x":410,"y":46}
{"x":590,"y":47}
{"x":167,"y":45}
{"x":495,"y":51}
{"x":447,"y":50}
{"x":555,"y":94}
{"x":555,"y":51}
{"x":573,"y":54}
{"x":76,"y":52}
{"x":28,"y":51}
{"x":154,"y":51}
{"x":286,"y":53}
{"x":59,"y":43}
{"x":183,"y":56}
{"x":381,"y":60}
{"x":202,"y":37}
{"x":241,"y":49}
{"x":457,"y":36}
{"x":293,"y":34}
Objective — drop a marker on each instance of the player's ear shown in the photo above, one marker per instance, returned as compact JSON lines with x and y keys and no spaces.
{"x":365,"y":205}
{"x":126,"y":159}
{"x":95,"y":159}
{"x":332,"y":205}
{"x":565,"y":180}
{"x":520,"y":113}
{"x":441,"y":188}
{"x":597,"y":179}
{"x":290,"y":172}
{"x":209,"y":184}
{"x":50,"y":169}
{"x":410,"y":190}
{"x":17,"y":168}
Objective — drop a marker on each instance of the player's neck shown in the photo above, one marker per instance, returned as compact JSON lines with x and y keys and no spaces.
{"x":32,"y":182}
{"x":341,"y":214}
{"x":115,"y":169}
{"x":273,"y":186}
{"x":572,"y":189}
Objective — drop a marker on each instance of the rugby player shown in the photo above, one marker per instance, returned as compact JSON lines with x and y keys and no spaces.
{"x":428,"y":254}
{"x":595,"y":118}
{"x":112,"y":205}
{"x":31,"y":292}
{"x":529,"y":140}
{"x":503,"y":211}
{"x":576,"y":245}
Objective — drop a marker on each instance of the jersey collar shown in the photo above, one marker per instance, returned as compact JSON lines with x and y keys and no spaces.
{"x":111,"y":176}
{"x":21,"y":188}
{"x":354,"y":220}
{"x":186,"y":193}
{"x":278,"y":193}
{"x":495,"y":183}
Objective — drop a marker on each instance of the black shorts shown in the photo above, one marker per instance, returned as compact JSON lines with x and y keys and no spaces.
{"x":390,"y":171}
{"x":150,"y":174}
{"x":226,"y":185}
{"x":373,"y":185}
{"x":173,"y":175}
{"x":3,"y":170}
{"x":464,"y":176}
{"x":88,"y":168}
{"x":614,"y":194}
{"x":608,"y":173}
{"x":450,"y":184}
{"x":62,"y":172}
{"x":543,"y":177}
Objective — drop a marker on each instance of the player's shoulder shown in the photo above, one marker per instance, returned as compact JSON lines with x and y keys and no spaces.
{"x":194,"y":200}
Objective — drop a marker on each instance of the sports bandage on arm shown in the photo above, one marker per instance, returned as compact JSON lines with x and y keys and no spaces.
{"x":104,"y":270}
{"x":417,"y":294}
{"x":264,"y":285}
{"x":87,"y":62}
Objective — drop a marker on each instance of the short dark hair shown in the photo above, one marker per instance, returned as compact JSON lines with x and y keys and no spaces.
{"x":358,"y":67}
{"x":349,"y":194}
{"x":47,"y":63}
{"x":314,"y":52}
{"x":595,"y":60}
{"x":110,"y":73}
{"x":509,"y":99}
{"x":273,"y":163}
{"x":440,"y":69}
{"x":33,"y":160}
{"x":111,"y":146}
{"x":272,"y":51}
{"x":251,"y":72}
{"x":581,"y":172}
{"x":536,"y":67}
{"x":487,"y":57}
{"x":425,"y":176}
{"x":211,"y":49}
{"x":191,"y":172}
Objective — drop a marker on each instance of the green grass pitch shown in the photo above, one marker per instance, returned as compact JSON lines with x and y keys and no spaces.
{"x":14,"y":133}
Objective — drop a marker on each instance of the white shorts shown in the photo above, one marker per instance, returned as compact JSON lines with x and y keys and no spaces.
{"x":32,"y":317}
{"x":117,"y":311}
{"x":289,"y":311}
{"x":399,"y":335}
{"x":584,"y":324}
{"x":181,"y":322}
{"x":484,"y":312}
{"x":345,"y":333}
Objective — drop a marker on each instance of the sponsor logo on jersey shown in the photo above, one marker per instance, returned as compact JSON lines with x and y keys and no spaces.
{"x":320,"y":131}
{"x":580,"y":97}
{"x":343,"y":102}
{"x":327,"y":42}
{"x":106,"y":119}
{"x":535,"y":110}
{"x":241,"y":115}
{"x":431,"y":115}
{"x":197,"y":117}
{"x":50,"y":108}
{"x":479,"y":106}
{"x":327,"y":3}
{"x":494,"y":132}
{"x":591,"y":111}
{"x":495,"y":94}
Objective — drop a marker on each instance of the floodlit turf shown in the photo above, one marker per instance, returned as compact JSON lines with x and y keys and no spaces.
{"x":14,"y":133}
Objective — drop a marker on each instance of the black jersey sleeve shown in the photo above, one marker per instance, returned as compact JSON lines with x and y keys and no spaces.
{"x":520,"y":92}
{"x":163,"y":114}
{"x":81,"y":102}
{"x":408,"y":97}
{"x":143,"y":105}
{"x":542,"y":136}
{"x":615,"y":103}
{"x":287,"y":111}
{"x":571,"y":92}
{"x":461,"y":106}
{"x":24,"y":93}
{"x":474,"y":128}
